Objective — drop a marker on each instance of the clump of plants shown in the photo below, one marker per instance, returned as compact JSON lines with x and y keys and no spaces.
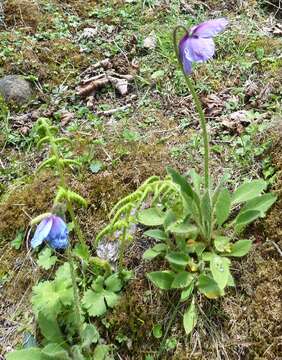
{"x":196,"y":224}
{"x":84,"y":287}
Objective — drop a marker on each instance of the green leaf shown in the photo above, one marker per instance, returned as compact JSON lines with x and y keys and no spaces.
{"x":155,"y":251}
{"x":177,"y":258}
{"x":111,"y":298}
{"x":101,"y":352}
{"x":45,"y":259}
{"x":49,"y":328}
{"x":156,"y":234}
{"x":261,"y":203}
{"x":161,"y":279}
{"x":208,"y":287}
{"x":206,"y":213}
{"x":186,"y":293}
{"x":76,"y":352}
{"x":222,"y":243}
{"x":96,"y":166}
{"x":157,"y":331}
{"x":17,"y":242}
{"x":185,"y":187}
{"x":113,"y":283}
{"x":222,"y":206}
{"x":248,"y":191}
{"x":94,"y":303}
{"x":231,"y":281}
{"x":169,"y":220}
{"x":98,"y":284}
{"x":54,"y":351}
{"x":196,"y":180}
{"x":240,"y":248}
{"x":50,"y":296}
{"x":190,"y":318}
{"x":185,"y":228}
{"x":89,"y":335}
{"x":206,"y":256}
{"x":82,"y":252}
{"x":25,"y":354}
{"x":219,"y":267}
{"x":182,"y":280}
{"x":151,"y":217}
{"x":246,"y":218}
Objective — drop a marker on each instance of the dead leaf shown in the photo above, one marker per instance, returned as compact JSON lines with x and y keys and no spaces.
{"x":237,"y":121}
{"x":214,"y":105}
{"x":121,"y":85}
{"x":66,"y":117}
{"x":90,"y":88}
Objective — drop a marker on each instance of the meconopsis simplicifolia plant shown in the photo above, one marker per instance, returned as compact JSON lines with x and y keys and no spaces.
{"x":196,"y":226}
{"x":84,"y":287}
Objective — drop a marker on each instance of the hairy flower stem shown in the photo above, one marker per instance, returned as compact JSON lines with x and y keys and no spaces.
{"x":172,"y":318}
{"x":198,"y":106}
{"x":78,"y":232}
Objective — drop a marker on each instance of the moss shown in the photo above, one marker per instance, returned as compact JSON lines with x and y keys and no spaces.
{"x":23,"y":13}
{"x":28,"y":201}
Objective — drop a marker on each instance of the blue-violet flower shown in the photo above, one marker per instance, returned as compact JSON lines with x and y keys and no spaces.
{"x":52,"y":229}
{"x":197,"y":45}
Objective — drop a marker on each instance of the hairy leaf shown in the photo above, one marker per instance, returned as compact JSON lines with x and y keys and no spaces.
{"x":182,"y":280}
{"x":186,"y":293}
{"x":219,"y":267}
{"x":161,"y":279}
{"x":261,"y":203}
{"x":151,"y":217}
{"x":157,"y":234}
{"x":94,"y":303}
{"x":177,"y":258}
{"x":208,"y":287}
{"x":49,"y":328}
{"x":240,"y":248}
{"x":190,"y":318}
{"x":45,"y":259}
{"x":222,"y":206}
{"x":248,"y":191}
{"x":222,"y":243}
{"x":25,"y":354}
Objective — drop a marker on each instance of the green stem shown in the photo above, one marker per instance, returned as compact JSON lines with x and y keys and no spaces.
{"x":77,"y":229}
{"x":172,"y":318}
{"x":63,"y":184}
{"x":78,"y":317}
{"x":198,"y":106}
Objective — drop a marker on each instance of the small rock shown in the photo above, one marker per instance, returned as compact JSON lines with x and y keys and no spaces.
{"x":150,"y":42}
{"x":15,"y":89}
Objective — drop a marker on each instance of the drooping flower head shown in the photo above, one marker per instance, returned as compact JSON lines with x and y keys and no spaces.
{"x":197,"y":45}
{"x":53,"y":230}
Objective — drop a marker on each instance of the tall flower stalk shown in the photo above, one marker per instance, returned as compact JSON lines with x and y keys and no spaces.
{"x":197,"y":46}
{"x":64,"y":194}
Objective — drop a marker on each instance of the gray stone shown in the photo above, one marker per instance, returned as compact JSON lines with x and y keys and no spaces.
{"x":15,"y":89}
{"x":150,"y":42}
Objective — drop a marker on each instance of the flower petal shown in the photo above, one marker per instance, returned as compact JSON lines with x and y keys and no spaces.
{"x":198,"y":49}
{"x":41,"y":232}
{"x":209,"y":28}
{"x":187,"y":64}
{"x":58,"y":236}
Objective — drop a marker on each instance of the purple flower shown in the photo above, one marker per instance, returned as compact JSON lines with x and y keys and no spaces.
{"x":198,"y":45}
{"x":52,"y":229}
